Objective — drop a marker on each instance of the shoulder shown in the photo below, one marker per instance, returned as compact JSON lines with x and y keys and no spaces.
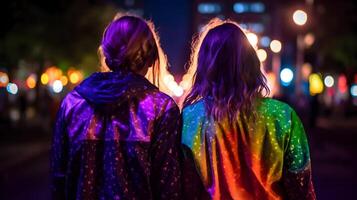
{"x":277,"y":112}
{"x":274,"y":107}
{"x":275,"y":104}
{"x":194,"y":112}
{"x":70,"y":101}
{"x":164,"y":100}
{"x":198,"y":106}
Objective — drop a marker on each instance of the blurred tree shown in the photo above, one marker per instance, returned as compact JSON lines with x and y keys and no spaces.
{"x":62,"y":32}
{"x":336,"y":34}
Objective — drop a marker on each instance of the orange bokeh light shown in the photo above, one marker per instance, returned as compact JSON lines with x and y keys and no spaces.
{"x":31,"y":81}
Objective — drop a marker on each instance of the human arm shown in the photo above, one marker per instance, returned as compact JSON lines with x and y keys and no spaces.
{"x":59,"y":151}
{"x":165,"y":150}
{"x":297,"y":178}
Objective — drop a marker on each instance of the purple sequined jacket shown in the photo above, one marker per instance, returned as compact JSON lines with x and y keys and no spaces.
{"x":116,"y":137}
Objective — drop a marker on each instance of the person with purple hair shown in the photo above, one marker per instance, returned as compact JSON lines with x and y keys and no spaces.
{"x":116,"y":135}
{"x":239,"y":144}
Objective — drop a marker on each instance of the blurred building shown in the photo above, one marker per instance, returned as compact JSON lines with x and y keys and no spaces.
{"x":255,"y":16}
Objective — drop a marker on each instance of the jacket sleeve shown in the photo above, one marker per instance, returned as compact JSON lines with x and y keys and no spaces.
{"x":297,"y":176}
{"x":165,"y":165}
{"x":59,"y":152}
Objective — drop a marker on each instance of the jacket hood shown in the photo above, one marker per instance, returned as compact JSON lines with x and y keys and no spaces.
{"x":112,"y":87}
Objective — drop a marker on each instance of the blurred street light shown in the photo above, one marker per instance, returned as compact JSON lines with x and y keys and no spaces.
{"x":315,"y":83}
{"x":329,"y":81}
{"x":265,"y":41}
{"x":44,"y":79}
{"x":342,"y":83}
{"x":4,"y":79}
{"x":64,"y":80}
{"x":186,"y":82}
{"x":275,"y":46}
{"x":12,"y":88}
{"x":286,"y":76}
{"x":306,"y":70}
{"x":75,"y":76}
{"x":31,"y":81}
{"x":300,"y":17}
{"x":309,"y":39}
{"x":354,"y":90}
{"x":253,"y":39}
{"x":262,"y":55}
{"x":57,"y":86}
{"x":170,"y":82}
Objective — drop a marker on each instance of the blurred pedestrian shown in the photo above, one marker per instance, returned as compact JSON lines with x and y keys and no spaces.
{"x":237,"y":143}
{"x":116,"y":134}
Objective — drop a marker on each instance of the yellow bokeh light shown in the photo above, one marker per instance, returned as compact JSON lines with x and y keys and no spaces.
{"x":31,"y":81}
{"x":275,"y":46}
{"x":316,"y":84}
{"x":44,"y":79}
{"x":252,"y":38}
{"x":262,"y":55}
{"x":74,"y":77}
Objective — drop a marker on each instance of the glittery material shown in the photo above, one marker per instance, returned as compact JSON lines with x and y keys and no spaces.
{"x":116,"y":137}
{"x":265,"y":156}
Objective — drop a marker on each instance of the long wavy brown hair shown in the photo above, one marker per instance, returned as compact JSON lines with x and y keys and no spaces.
{"x":228,"y":72}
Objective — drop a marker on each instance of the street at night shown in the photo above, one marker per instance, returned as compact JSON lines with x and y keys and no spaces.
{"x":307,"y":51}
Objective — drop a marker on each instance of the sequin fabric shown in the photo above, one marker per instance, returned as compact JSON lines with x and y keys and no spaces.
{"x":261,"y":156}
{"x":116,"y":137}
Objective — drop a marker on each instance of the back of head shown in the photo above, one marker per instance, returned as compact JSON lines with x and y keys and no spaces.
{"x":228,"y":72}
{"x":129,"y":44}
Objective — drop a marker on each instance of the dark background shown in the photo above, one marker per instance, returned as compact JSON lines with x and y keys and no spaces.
{"x":36,"y":35}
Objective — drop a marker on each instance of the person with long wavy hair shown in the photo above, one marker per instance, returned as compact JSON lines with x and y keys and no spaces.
{"x":239,"y":144}
{"x":116,"y":135}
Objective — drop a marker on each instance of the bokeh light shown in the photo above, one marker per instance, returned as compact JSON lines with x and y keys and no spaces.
{"x":271,"y":81}
{"x":57,"y":86}
{"x":306,"y":70}
{"x":300,"y":17}
{"x":275,"y":46}
{"x":31,"y":81}
{"x":168,"y":78}
{"x":170,"y":82}
{"x":315,"y":84}
{"x":12,"y":88}
{"x":178,"y":91}
{"x":4,"y":79}
{"x":342,"y":83}
{"x":44,"y":79}
{"x":286,"y":76}
{"x":262,"y":55}
{"x":74,"y":77}
{"x":309,"y":39}
{"x":186,"y":81}
{"x":329,"y":81}
{"x":265,"y":41}
{"x":252,"y":38}
{"x":354,"y":90}
{"x":64,"y":80}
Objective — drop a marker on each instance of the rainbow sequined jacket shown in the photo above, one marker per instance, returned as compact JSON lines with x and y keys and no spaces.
{"x":265,"y":156}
